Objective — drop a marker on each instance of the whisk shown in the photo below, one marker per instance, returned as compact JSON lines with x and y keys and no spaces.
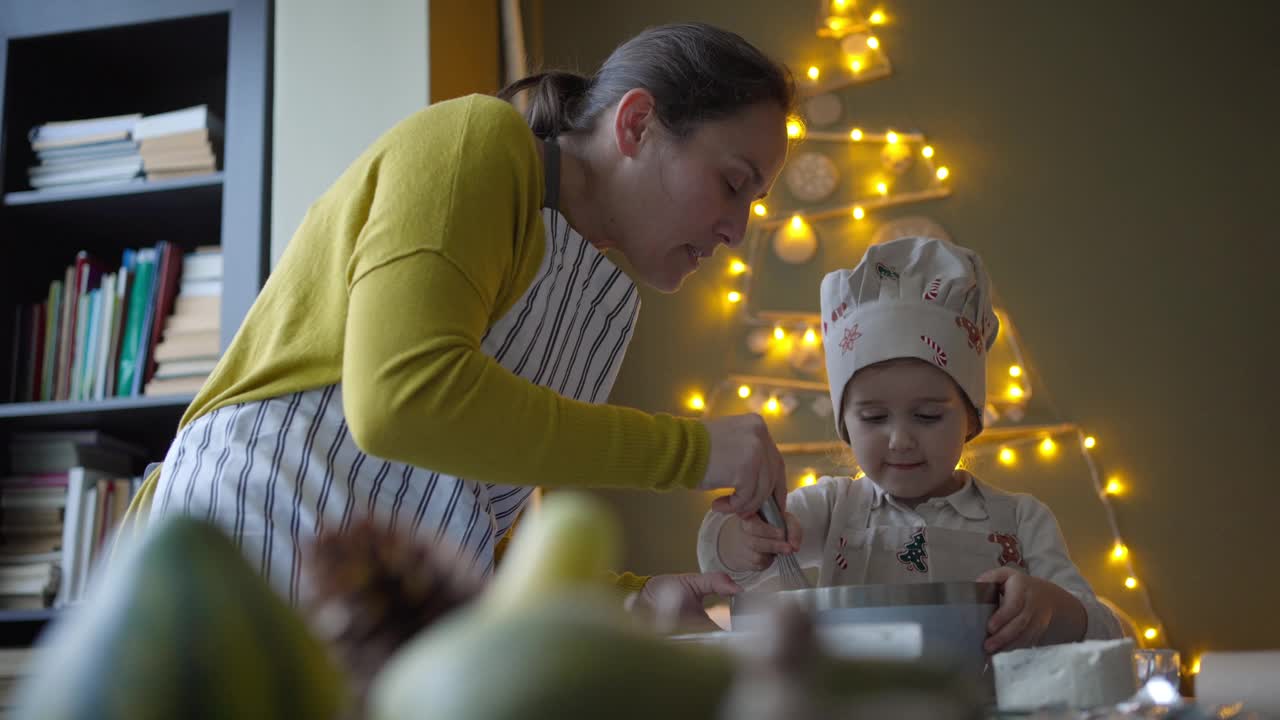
{"x":789,"y":572}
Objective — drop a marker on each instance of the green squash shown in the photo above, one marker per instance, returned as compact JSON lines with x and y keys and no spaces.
{"x":182,"y":627}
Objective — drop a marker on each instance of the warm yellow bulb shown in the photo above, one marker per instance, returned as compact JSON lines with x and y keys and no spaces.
{"x":855,"y":134}
{"x":808,"y":479}
{"x":1008,"y":456}
{"x":797,"y":223}
{"x":779,"y":334}
{"x":744,"y":391}
{"x":891,"y":137}
{"x":1119,"y":552}
{"x":1114,"y":487}
{"x":1090,"y":442}
{"x":733,"y":296}
{"x":760,"y":209}
{"x":943,"y":173}
{"x":873,"y":42}
{"x":859,"y":213}
{"x":696,"y":402}
{"x":813,"y":72}
{"x":1015,"y":371}
{"x":839,"y":4}
{"x":855,"y":65}
{"x":1195,"y":667}
{"x":877,"y":18}
{"x":795,"y":129}
{"x":810,"y":337}
{"x":1048,"y":447}
{"x":737,"y":267}
{"x":882,"y":188}
{"x":771,"y":405}
{"x":1150,"y":633}
{"x":1131,"y":583}
{"x":1015,"y":392}
{"x":836,"y":23}
{"x":927,"y":151}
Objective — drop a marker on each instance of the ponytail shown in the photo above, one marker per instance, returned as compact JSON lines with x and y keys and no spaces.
{"x":553,"y":101}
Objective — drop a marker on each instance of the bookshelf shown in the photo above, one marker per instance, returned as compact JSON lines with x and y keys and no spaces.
{"x":64,"y":59}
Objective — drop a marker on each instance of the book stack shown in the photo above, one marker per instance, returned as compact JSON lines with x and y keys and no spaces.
{"x":125,"y":148}
{"x":90,"y":151}
{"x":15,"y":663}
{"x":179,"y":143}
{"x":59,"y":508}
{"x":94,"y":334}
{"x":190,"y":345}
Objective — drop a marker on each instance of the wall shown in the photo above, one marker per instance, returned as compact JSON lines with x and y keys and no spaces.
{"x":344,"y":73}
{"x":1114,"y":164}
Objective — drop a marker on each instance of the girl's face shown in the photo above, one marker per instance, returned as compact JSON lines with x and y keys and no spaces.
{"x":678,"y":199}
{"x":907,"y":422}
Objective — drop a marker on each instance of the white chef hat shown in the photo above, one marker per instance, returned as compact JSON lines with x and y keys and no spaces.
{"x":914,"y":297}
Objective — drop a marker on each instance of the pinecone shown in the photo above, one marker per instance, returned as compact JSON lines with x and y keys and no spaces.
{"x":374,"y":589}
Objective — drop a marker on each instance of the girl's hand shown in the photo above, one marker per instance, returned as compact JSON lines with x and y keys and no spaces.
{"x":747,"y":542}
{"x":1032,"y":611}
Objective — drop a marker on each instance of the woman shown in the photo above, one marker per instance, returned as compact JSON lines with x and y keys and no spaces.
{"x":438,"y":337}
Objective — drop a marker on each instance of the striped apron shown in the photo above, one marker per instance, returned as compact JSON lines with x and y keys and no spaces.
{"x":275,"y":473}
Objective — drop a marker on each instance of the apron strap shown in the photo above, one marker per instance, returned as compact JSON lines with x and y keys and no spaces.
{"x":866,"y":494}
{"x":551,"y":163}
{"x":1002,"y":510}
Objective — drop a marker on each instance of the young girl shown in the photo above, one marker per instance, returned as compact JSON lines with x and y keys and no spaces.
{"x":906,"y":335}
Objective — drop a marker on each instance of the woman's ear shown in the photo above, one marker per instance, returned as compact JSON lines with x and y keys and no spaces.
{"x":634,"y":120}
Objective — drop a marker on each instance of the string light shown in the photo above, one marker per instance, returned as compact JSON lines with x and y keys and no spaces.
{"x":808,"y":479}
{"x":1119,"y":552}
{"x":810,"y":337}
{"x":943,"y":173}
{"x":744,"y":391}
{"x":1015,"y":371}
{"x":737,"y":267}
{"x":1090,"y":442}
{"x":697,"y":402}
{"x":813,"y":72}
{"x":1131,"y":582}
{"x":1008,"y":456}
{"x":797,"y":223}
{"x":1048,"y":447}
{"x":771,"y":406}
{"x":882,"y":188}
{"x":733,"y":296}
{"x":1195,"y":666}
{"x":1015,"y":392}
{"x":859,"y":213}
{"x":839,"y":4}
{"x":795,"y":129}
{"x":873,"y":42}
{"x":927,"y":151}
{"x":877,"y":18}
{"x":760,"y":209}
{"x":855,"y":65}
{"x":1150,"y":633}
{"x":779,"y":334}
{"x":891,"y":137}
{"x":1114,"y":487}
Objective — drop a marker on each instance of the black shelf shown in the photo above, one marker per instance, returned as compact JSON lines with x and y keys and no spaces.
{"x":70,"y":194}
{"x":149,"y":421}
{"x":28,"y":616}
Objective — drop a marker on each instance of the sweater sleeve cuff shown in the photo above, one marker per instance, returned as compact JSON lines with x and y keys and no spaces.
{"x":630,"y":583}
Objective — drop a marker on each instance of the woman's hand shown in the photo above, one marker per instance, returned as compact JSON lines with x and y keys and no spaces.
{"x":1033,"y":611}
{"x":745,"y":459}
{"x":674,"y":603}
